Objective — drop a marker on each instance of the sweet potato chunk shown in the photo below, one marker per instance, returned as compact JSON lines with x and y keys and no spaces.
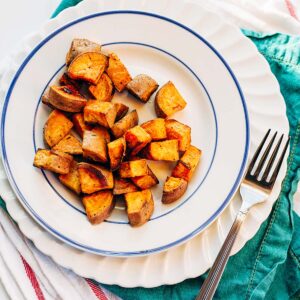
{"x":94,"y":145}
{"x":165,"y":150}
{"x":79,"y":125}
{"x":69,"y":144}
{"x":173,"y":189}
{"x":56,"y":128}
{"x":140,"y":207}
{"x":168,"y":101}
{"x":52,"y":161}
{"x":146,"y":181}
{"x":71,"y":180}
{"x":66,"y":98}
{"x":103,"y":113}
{"x":79,"y":46}
{"x":121,"y":109}
{"x":129,"y":121}
{"x":104,"y":90}
{"x":136,"y":139}
{"x":133,"y":168}
{"x":94,"y":178}
{"x":156,"y":128}
{"x":123,"y":186}
{"x":187,"y":163}
{"x":116,"y":152}
{"x":117,"y":72}
{"x":88,"y":66}
{"x":142,"y":86}
{"x":98,"y":206}
{"x":180,"y":132}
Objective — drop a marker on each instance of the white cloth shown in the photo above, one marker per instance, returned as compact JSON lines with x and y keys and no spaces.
{"x":56,"y":282}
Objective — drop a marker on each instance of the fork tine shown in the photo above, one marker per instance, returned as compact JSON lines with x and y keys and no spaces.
{"x":271,"y":161}
{"x":277,"y":168}
{"x":264,"y":156}
{"x":257,"y":152}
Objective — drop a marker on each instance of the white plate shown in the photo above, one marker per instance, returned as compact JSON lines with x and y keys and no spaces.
{"x":216,"y":112}
{"x":251,"y":71}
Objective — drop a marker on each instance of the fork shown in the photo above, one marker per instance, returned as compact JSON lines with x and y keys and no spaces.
{"x":254,"y":189}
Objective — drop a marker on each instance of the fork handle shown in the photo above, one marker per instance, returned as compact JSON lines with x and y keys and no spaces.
{"x":211,"y":282}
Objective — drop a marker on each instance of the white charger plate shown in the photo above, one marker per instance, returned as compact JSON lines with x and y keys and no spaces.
{"x":260,"y":71}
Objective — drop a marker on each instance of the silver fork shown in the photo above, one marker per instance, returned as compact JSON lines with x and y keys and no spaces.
{"x":254,"y":189}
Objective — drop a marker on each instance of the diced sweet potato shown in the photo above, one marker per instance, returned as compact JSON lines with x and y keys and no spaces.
{"x":140,"y":207}
{"x":129,"y":121}
{"x":142,"y":86}
{"x":69,"y":144}
{"x":79,"y":125}
{"x":94,"y":145}
{"x":116,"y":152}
{"x":133,"y":168}
{"x":88,"y":66}
{"x":56,"y":128}
{"x":173,"y":189}
{"x":66,"y":98}
{"x":187,"y":163}
{"x":136,"y":139}
{"x":79,"y":46}
{"x":146,"y":181}
{"x":104,"y":90}
{"x":103,"y":113}
{"x":165,"y":150}
{"x":180,"y":132}
{"x":71,"y":180}
{"x":123,"y":186}
{"x":122,"y":110}
{"x":94,"y":178}
{"x":98,"y":206}
{"x":156,"y":128}
{"x":52,"y":161}
{"x":168,"y":101}
{"x":118,"y":72}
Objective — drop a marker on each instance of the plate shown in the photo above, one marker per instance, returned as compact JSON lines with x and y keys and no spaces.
{"x":266,"y":109}
{"x":216,"y":112}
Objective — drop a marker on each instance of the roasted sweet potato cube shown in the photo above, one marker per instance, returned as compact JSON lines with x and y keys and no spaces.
{"x":146,"y":181}
{"x":88,"y":66}
{"x":79,"y":125}
{"x":103,"y":113}
{"x":116,"y":152}
{"x":98,"y":206}
{"x":118,"y":72}
{"x":123,"y":186}
{"x":140,"y":207}
{"x":94,"y":145}
{"x":103,"y":90}
{"x":71,"y":180}
{"x":165,"y":150}
{"x":56,"y":127}
{"x":136,"y":139}
{"x":168,"y":101}
{"x":79,"y":46}
{"x":54,"y":161}
{"x":94,"y":178}
{"x":129,"y":121}
{"x":142,"y":86}
{"x":133,"y":168}
{"x":180,"y":132}
{"x":69,"y":144}
{"x":122,"y":110}
{"x":156,"y":128}
{"x":187,"y":163}
{"x":173,"y":189}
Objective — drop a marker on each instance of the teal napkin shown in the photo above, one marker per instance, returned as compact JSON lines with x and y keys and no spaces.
{"x":268,"y":267}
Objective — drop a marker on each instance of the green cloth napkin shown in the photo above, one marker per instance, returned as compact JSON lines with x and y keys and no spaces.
{"x":268,"y":267}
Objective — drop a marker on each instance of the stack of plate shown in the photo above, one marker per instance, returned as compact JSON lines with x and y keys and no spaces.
{"x":230,"y":92}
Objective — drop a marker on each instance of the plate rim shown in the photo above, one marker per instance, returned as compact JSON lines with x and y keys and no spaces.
{"x":123,"y":253}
